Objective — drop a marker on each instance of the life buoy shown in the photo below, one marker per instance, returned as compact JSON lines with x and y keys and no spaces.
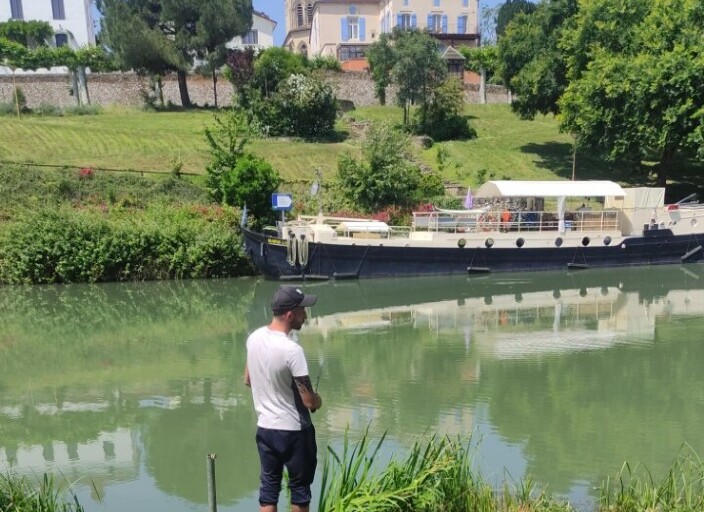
{"x":487,"y":222}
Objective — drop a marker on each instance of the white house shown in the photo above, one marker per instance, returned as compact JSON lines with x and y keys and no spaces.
{"x":72,"y":20}
{"x":260,"y":37}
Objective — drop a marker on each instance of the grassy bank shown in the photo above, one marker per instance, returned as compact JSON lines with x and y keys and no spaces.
{"x":62,"y":226}
{"x":506,"y":147}
{"x":438,"y":475}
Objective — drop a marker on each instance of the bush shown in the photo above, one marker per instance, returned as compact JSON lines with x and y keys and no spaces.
{"x":48,"y":110}
{"x":329,"y":63}
{"x":250,"y":182}
{"x":443,"y":119}
{"x":84,"y":110}
{"x":63,"y":245}
{"x":303,"y":107}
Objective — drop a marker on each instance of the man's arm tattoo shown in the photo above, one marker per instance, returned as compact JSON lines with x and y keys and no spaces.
{"x":304,"y":385}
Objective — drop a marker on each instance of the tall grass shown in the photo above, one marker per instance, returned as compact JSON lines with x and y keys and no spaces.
{"x":436,"y":475}
{"x":635,"y":489}
{"x":19,"y":494}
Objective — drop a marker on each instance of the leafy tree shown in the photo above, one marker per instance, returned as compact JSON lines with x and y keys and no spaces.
{"x":636,"y":79}
{"x":381,"y":58}
{"x":508,"y":10}
{"x":240,"y":70}
{"x":160,"y":36}
{"x":418,"y":70}
{"x":234,"y":176}
{"x":385,"y":176}
{"x":273,"y":66}
{"x":532,"y":63}
{"x":487,"y":22}
{"x":444,"y":115}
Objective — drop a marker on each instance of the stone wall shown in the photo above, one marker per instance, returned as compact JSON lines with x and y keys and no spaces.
{"x":128,"y":89}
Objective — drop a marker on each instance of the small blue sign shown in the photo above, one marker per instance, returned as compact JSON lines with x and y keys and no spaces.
{"x":281,"y":202}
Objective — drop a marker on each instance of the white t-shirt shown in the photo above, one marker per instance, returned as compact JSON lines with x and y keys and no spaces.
{"x":273,"y":360}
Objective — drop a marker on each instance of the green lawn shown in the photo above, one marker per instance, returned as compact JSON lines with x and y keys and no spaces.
{"x":506,"y":147}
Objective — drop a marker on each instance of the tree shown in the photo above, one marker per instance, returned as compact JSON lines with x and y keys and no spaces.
{"x":531,"y":61}
{"x":160,"y":36}
{"x":508,"y":10}
{"x":487,"y":22}
{"x":381,"y":58}
{"x":273,"y":66}
{"x":385,"y":176}
{"x":234,"y":176}
{"x":418,"y":70}
{"x":636,"y":85}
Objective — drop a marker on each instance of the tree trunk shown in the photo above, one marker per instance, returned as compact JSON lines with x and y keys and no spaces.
{"x":482,"y":85}
{"x":215,"y":87}
{"x":83,"y":84}
{"x":183,"y":88}
{"x":666,"y":160}
{"x":75,"y":86}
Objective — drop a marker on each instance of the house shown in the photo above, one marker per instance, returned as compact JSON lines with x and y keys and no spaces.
{"x":345,"y":28}
{"x":260,"y":37}
{"x":72,"y":20}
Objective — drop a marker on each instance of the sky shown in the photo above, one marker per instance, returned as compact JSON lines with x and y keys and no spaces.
{"x":275,"y":10}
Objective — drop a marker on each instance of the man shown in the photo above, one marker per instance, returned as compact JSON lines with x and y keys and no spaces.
{"x":283,"y":396}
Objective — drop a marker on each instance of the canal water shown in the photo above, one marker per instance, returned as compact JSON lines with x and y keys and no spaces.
{"x":122,"y":389}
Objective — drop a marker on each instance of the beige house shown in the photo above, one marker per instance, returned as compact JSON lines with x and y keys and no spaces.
{"x":344,"y":28}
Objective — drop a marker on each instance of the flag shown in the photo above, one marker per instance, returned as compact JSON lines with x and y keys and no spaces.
{"x":469,"y":200}
{"x":243,"y":220}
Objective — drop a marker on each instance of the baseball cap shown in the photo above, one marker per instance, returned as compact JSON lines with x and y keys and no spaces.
{"x":287,"y":298}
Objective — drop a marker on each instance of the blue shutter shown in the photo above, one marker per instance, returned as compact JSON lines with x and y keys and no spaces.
{"x":436,"y":3}
{"x":361,"y":29}
{"x":399,"y":20}
{"x":461,"y":29}
{"x":465,"y":3}
{"x":344,"y":29}
{"x":414,"y":20}
{"x":429,"y":24}
{"x":444,"y":23}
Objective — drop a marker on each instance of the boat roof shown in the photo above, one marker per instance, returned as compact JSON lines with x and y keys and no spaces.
{"x":511,"y":188}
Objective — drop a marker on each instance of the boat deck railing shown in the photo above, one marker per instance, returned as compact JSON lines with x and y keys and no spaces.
{"x":487,"y":221}
{"x":519,"y":221}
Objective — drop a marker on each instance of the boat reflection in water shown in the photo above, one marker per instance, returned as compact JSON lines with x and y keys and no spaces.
{"x":526,"y":321}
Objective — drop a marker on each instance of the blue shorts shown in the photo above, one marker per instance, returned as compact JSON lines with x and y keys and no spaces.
{"x":294,"y":449}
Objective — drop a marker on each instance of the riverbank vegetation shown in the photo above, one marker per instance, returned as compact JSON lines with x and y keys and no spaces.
{"x":60,"y":226}
{"x":20,"y":494}
{"x":438,"y":475}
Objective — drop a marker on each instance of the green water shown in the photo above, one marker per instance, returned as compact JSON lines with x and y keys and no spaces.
{"x":124,"y":388}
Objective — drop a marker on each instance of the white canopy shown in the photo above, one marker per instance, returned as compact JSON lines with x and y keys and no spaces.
{"x":510,"y":188}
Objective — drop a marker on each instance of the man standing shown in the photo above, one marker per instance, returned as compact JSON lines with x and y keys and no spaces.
{"x":283,"y":396}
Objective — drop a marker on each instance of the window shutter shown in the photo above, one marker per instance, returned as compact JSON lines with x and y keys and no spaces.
{"x":444,"y":23}
{"x":429,"y":25}
{"x":344,"y":29}
{"x":361,"y":29}
{"x":461,"y":29}
{"x":414,"y":20}
{"x":399,"y":20}
{"x":465,"y":3}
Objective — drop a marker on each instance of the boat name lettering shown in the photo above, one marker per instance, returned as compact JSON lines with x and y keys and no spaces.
{"x":275,"y":241}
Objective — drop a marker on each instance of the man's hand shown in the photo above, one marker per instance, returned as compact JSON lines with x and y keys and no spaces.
{"x":247,"y":382}
{"x":310,"y":398}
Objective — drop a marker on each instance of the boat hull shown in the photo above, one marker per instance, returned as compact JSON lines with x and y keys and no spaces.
{"x":340,"y":261}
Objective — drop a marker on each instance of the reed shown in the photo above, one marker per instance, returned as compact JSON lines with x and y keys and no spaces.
{"x":634,"y":488}
{"x":436,"y":475}
{"x":19,"y":494}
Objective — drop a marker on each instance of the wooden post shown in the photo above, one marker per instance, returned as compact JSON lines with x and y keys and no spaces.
{"x":212,"y":498}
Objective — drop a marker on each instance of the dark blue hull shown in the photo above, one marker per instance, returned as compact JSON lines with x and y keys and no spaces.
{"x":333,"y":261}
